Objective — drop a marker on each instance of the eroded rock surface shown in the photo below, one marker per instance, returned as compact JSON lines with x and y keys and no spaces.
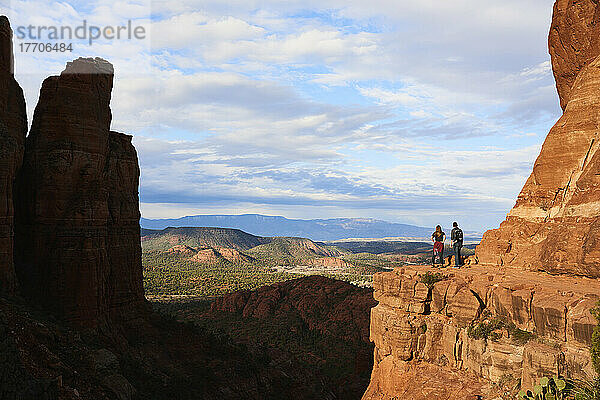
{"x":13,"y":129}
{"x":574,"y":41}
{"x":422,"y":343}
{"x":78,"y":239}
{"x":555,"y":224}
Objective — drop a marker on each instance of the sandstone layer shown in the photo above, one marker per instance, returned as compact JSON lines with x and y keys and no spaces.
{"x":555,"y":224}
{"x":77,"y":237}
{"x":574,"y":41}
{"x":13,"y":129}
{"x":423,"y":348}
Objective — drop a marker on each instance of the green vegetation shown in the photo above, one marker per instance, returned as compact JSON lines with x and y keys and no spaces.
{"x":520,"y":336}
{"x":595,"y":347}
{"x":293,"y":251}
{"x":200,"y":238}
{"x":431,"y":278}
{"x":548,"y":389}
{"x":167,"y":274}
{"x":486,"y":329}
{"x":370,"y":263}
{"x":585,"y":390}
{"x":211,"y":262}
{"x":492,"y":327}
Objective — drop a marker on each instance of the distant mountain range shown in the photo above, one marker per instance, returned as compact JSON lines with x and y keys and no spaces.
{"x":315,"y":229}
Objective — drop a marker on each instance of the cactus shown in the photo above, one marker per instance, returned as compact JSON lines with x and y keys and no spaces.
{"x":548,"y":389}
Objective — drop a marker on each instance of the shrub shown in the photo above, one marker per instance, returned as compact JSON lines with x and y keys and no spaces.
{"x":520,"y":336}
{"x":489,"y":327}
{"x":486,"y":329}
{"x":595,"y":347}
{"x":586,"y":390}
{"x":431,"y":278}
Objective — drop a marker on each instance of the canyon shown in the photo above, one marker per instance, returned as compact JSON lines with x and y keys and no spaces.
{"x":74,"y":322}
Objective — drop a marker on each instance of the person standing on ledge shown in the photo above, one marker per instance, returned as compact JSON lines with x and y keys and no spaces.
{"x":438,"y":239}
{"x":457,"y":243}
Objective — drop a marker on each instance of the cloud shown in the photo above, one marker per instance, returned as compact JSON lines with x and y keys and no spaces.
{"x":393,"y":109}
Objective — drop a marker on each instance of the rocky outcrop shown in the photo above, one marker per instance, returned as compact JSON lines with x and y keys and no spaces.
{"x":574,"y":42}
{"x":323,"y":304}
{"x":77,"y":238}
{"x":555,"y":224}
{"x":13,"y":129}
{"x":428,"y":340}
{"x":314,"y":328}
{"x":124,"y":250}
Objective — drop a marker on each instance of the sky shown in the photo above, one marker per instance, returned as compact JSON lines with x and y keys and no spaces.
{"x":420,"y":112}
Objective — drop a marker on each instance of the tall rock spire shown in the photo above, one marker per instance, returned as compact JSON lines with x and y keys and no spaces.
{"x":13,"y":129}
{"x":78,"y":240}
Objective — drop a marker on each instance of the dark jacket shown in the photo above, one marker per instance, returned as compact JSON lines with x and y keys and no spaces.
{"x":455,"y":235}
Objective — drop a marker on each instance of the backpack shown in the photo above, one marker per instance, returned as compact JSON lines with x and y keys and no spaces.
{"x":458,"y":235}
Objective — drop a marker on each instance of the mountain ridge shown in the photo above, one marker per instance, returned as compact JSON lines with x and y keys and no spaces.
{"x":315,"y":229}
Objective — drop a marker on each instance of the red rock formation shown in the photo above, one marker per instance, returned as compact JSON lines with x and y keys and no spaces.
{"x":325,"y":305}
{"x":555,"y":224}
{"x":330,"y":262}
{"x":315,"y":328}
{"x":78,"y":243}
{"x":210,"y":256}
{"x":13,"y":129}
{"x":124,"y":247}
{"x":574,"y":41}
{"x":423,"y":348}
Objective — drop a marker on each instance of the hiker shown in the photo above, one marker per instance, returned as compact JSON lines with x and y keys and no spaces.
{"x":438,"y":237}
{"x":457,"y":243}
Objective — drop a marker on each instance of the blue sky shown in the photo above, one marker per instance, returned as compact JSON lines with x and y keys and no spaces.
{"x":419,"y":112}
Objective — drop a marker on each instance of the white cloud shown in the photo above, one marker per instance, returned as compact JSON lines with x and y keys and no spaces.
{"x":366,"y":107}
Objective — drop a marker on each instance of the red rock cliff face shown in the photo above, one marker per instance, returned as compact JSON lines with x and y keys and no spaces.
{"x":555,"y":224}
{"x":78,"y":244}
{"x":574,"y":41}
{"x":13,"y":129}
{"x":423,"y":348}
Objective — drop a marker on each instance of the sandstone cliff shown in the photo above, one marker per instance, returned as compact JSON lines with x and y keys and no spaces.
{"x":555,"y":224}
{"x":13,"y":129}
{"x":574,"y":41}
{"x":424,"y":348}
{"x":77,"y":237}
